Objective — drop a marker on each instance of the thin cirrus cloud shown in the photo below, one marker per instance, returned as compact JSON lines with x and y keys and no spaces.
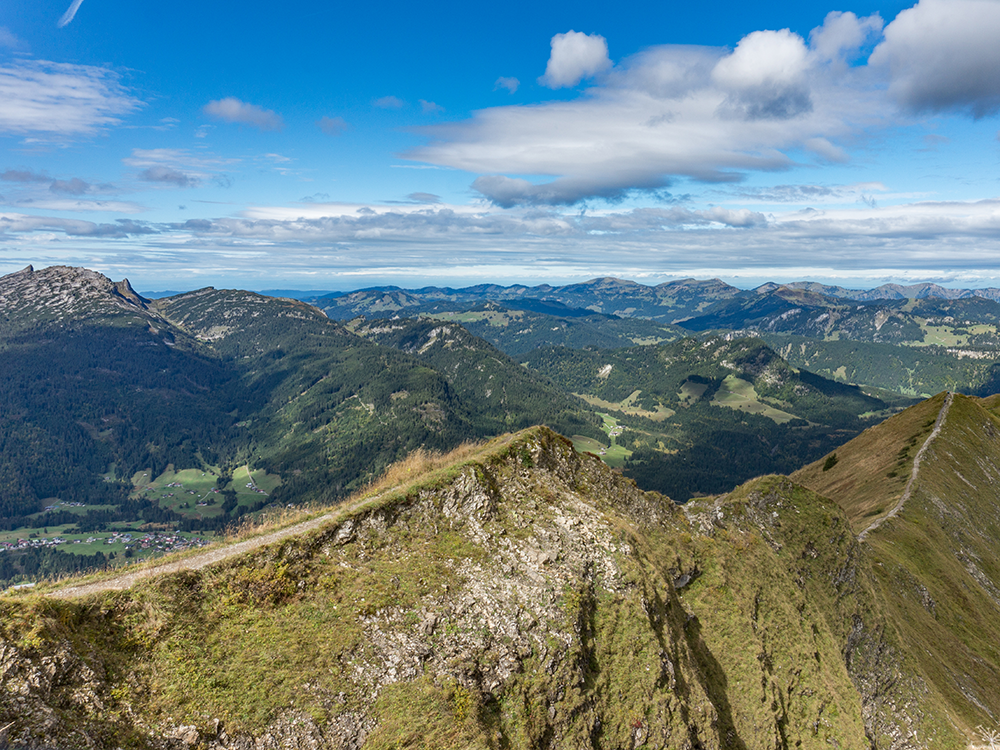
{"x":171,"y":167}
{"x":60,"y":100}
{"x":232,"y":110}
{"x":70,"y":14}
{"x":9,"y":40}
{"x":676,"y":112}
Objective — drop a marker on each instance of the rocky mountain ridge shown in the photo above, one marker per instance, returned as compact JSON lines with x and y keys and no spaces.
{"x":525,"y":596}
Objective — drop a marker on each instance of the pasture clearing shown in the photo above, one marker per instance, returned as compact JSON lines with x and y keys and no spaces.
{"x":738,"y":394}
{"x":627,"y":406}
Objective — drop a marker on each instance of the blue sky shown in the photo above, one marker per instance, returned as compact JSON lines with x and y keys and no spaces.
{"x":324,"y":146}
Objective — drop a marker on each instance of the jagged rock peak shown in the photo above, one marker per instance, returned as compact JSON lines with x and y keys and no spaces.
{"x":124,"y":288}
{"x":66,"y":290}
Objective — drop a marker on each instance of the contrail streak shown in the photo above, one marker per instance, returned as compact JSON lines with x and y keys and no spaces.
{"x":69,"y":14}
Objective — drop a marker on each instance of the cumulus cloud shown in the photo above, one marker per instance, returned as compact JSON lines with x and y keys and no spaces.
{"x":331,"y":125}
{"x":765,"y":76}
{"x":233,"y":110}
{"x":505,"y":82}
{"x":942,"y":55}
{"x":169,"y":176}
{"x":842,"y":36}
{"x":673,"y":112}
{"x":575,"y":56}
{"x":389,"y":102}
{"x":430,"y":107}
{"x":60,"y":100}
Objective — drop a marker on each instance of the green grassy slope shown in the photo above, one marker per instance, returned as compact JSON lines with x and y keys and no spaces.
{"x":935,"y":562}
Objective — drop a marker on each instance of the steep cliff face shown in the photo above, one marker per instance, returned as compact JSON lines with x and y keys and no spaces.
{"x":524,"y":597}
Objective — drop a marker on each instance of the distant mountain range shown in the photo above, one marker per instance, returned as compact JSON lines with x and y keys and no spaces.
{"x":672,"y":300}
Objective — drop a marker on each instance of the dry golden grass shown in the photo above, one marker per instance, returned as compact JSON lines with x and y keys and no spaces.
{"x":416,"y":464}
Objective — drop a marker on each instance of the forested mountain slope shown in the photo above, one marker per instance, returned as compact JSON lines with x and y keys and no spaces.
{"x":702,"y":416}
{"x":120,"y":415}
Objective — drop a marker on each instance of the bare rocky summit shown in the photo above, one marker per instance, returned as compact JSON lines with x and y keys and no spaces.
{"x":68,"y":296}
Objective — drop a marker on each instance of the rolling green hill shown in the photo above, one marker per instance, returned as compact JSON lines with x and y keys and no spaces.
{"x":909,"y":370}
{"x":504,"y":395}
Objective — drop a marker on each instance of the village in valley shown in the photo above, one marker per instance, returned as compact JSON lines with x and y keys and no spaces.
{"x":195,"y":494}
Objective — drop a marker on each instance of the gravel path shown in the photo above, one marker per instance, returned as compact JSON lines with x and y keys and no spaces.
{"x":199,"y":561}
{"x":908,"y":490}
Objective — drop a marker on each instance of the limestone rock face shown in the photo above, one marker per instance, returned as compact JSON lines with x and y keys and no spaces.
{"x":67,"y":296}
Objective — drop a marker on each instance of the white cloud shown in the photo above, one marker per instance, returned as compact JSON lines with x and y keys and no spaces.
{"x":70,"y":13}
{"x":842,"y":36}
{"x":331,"y":125}
{"x":175,"y":157}
{"x":122,"y":228}
{"x":429,"y":108}
{"x":505,"y":82}
{"x":169,"y":176}
{"x":331,"y":240}
{"x":943,"y":55}
{"x":765,"y":77}
{"x":763,"y":58}
{"x":60,"y":100}
{"x":389,"y":102}
{"x":79,"y":205}
{"x":9,"y":40}
{"x":233,"y":110}
{"x":575,"y":56}
{"x":672,"y":113}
